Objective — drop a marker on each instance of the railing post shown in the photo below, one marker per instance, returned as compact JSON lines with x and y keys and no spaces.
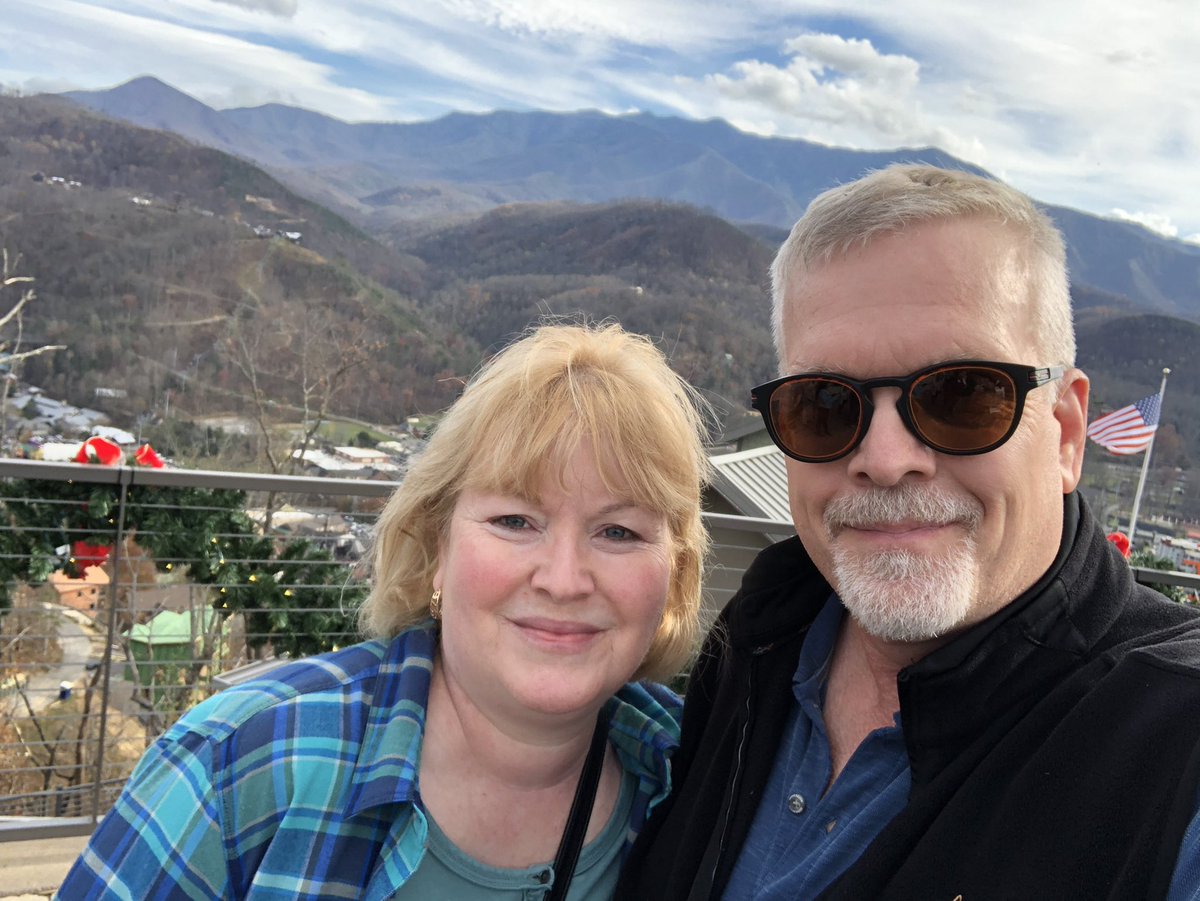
{"x":125,"y":479}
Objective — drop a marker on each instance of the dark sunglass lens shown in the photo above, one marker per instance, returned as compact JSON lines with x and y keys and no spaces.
{"x":816,"y":418}
{"x":963,"y":408}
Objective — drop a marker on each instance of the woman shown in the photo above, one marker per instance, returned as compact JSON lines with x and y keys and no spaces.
{"x":543,"y":551}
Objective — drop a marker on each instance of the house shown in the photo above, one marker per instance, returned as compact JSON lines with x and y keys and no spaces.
{"x":115,"y":435}
{"x":363,"y":456}
{"x":322,"y":463}
{"x":162,"y":649}
{"x":747,"y":507}
{"x":1184,"y":553}
{"x":142,"y":599}
{"x":80,"y":594}
{"x":47,"y":413}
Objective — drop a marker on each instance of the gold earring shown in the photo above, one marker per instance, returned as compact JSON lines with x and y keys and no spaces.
{"x":435,"y":604}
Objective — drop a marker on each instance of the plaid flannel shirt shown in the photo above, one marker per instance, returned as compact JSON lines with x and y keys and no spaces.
{"x":302,"y":785}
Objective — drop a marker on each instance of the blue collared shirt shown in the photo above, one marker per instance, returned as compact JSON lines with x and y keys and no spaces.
{"x":303,"y":785}
{"x":801,"y":839}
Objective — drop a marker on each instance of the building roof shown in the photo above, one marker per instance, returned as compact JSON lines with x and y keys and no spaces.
{"x":361,"y":454}
{"x":118,"y":436}
{"x":342,"y":465}
{"x":754,"y":482}
{"x":93,"y":577}
{"x":171,"y":628}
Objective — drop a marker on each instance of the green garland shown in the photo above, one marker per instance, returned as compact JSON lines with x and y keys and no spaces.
{"x":291,"y":592}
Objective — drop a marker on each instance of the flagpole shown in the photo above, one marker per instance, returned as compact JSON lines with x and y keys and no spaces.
{"x":1137,"y":498}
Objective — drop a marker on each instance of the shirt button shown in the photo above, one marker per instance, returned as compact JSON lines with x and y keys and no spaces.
{"x":796,"y":803}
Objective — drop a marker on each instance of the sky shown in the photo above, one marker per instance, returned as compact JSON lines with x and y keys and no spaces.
{"x":1091,"y":104}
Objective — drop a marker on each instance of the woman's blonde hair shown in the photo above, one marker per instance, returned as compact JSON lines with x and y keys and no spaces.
{"x":522,"y":416}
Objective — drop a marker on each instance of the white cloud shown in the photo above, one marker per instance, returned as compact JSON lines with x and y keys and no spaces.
{"x":284,"y":8}
{"x":98,"y":46}
{"x":1082,"y":104}
{"x":1093,"y":104}
{"x":1156,"y":222}
{"x":831,"y":89}
{"x":677,"y":24}
{"x":853,"y":57}
{"x":24,"y":85}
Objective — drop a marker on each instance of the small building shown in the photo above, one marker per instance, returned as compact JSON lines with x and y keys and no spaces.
{"x":80,"y":594}
{"x":115,"y":435}
{"x":1184,"y":553}
{"x":144,"y":599}
{"x":163,"y":648}
{"x":394,"y":448}
{"x":338,"y":465}
{"x":748,"y":506}
{"x":363,"y":456}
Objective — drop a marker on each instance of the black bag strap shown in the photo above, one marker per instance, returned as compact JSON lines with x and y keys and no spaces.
{"x":581,"y":813}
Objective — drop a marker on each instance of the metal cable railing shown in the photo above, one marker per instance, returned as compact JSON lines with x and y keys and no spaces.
{"x":127,"y":592}
{"x":128,"y":595}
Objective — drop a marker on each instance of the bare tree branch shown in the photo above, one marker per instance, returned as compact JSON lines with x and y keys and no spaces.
{"x":10,"y":359}
{"x":14,"y":317}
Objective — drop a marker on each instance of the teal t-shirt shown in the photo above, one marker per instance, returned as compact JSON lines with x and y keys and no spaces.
{"x":446,"y":874}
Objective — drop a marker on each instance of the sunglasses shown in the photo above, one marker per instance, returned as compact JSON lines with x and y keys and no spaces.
{"x":963,"y":408}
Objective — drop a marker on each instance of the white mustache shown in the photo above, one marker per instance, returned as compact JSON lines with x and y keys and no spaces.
{"x":904,"y":503}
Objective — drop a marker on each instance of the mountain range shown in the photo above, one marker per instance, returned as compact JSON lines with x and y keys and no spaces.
{"x":394,"y":179}
{"x":164,"y":267}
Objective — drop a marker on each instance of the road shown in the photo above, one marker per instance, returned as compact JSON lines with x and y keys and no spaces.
{"x":80,"y":644}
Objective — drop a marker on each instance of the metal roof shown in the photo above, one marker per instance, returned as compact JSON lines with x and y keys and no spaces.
{"x":754,"y":481}
{"x":170,"y":627}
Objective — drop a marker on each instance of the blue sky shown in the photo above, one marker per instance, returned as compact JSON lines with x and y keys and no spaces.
{"x":1093,"y":104}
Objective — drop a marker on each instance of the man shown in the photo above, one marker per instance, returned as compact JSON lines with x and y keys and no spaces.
{"x":948,"y":685}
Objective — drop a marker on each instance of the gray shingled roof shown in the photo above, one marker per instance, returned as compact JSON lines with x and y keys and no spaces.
{"x":754,"y":481}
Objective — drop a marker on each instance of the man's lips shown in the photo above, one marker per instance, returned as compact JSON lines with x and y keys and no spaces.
{"x":892,"y":533}
{"x":897,"y":528}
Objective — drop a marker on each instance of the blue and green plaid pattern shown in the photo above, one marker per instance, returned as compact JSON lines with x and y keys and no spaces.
{"x":301,"y":785}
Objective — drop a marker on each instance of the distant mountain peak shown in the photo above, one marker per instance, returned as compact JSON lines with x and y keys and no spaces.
{"x":144,"y":88}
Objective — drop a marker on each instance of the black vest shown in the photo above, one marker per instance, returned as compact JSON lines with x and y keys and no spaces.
{"x":1054,"y":747}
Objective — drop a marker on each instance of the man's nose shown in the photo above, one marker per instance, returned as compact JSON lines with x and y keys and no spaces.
{"x":889,"y":452}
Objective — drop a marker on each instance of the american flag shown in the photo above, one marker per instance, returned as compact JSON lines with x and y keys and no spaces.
{"x":1128,"y":430}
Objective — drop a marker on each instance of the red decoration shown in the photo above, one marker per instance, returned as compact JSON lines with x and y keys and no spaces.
{"x":148,"y":456}
{"x":100,"y":450}
{"x":1120,"y":541}
{"x":89,"y":554}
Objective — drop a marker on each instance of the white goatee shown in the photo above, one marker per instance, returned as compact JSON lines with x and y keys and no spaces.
{"x":902,"y":595}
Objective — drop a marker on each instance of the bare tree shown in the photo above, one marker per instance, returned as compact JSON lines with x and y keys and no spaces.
{"x":294,"y":359}
{"x":12,"y":326}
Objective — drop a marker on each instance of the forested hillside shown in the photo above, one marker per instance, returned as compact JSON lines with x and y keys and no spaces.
{"x":163,"y":268}
{"x":159,"y":265}
{"x":689,"y":279}
{"x":393,"y":177}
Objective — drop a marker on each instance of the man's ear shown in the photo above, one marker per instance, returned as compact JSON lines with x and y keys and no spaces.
{"x":1071,"y":413}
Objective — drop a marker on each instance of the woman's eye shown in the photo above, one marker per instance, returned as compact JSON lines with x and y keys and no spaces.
{"x":511,"y":521}
{"x":619,"y":533}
